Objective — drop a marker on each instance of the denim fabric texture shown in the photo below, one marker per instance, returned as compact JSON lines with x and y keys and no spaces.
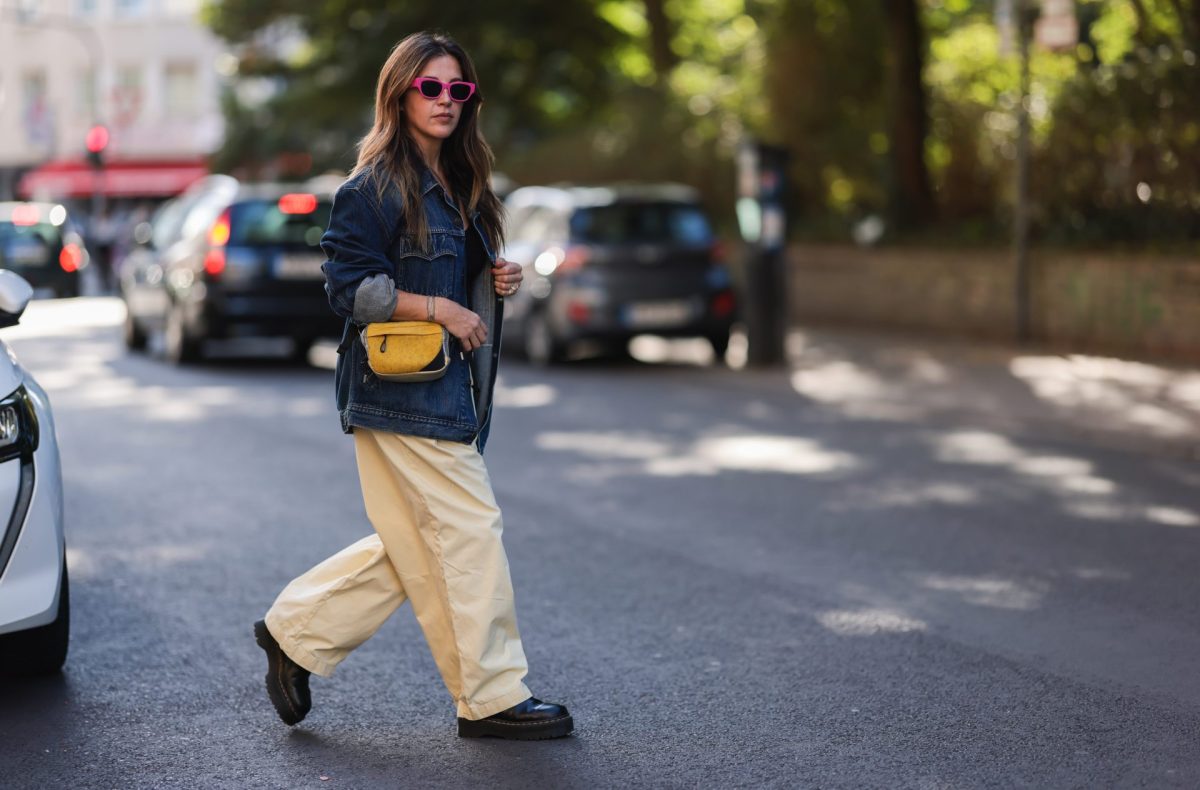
{"x":367,"y":236}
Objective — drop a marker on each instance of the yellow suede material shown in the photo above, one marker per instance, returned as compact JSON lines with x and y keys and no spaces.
{"x":406,"y":350}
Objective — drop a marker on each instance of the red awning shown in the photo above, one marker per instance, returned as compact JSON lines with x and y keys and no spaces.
{"x":67,"y":179}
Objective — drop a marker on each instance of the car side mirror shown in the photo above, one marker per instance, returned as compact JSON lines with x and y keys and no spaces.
{"x":15,"y":293}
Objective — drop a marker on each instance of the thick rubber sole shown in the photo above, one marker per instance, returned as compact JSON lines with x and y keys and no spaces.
{"x":283,"y":706}
{"x":516,"y":730}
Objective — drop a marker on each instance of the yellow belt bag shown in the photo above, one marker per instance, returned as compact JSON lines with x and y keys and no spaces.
{"x":407,"y":350}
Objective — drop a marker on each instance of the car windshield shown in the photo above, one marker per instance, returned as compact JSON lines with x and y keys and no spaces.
{"x":292,"y":221}
{"x":28,"y":243}
{"x":641,"y":223}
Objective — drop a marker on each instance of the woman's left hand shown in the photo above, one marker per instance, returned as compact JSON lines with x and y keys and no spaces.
{"x":507,"y":276}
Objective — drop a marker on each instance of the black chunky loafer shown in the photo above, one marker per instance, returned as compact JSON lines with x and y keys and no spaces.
{"x":531,"y":720}
{"x":287,"y":681}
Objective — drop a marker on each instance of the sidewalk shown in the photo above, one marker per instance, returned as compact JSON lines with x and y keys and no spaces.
{"x":900,"y":377}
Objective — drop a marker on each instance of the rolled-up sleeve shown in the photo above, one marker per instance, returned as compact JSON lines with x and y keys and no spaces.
{"x":355,"y":246}
{"x":375,"y":299}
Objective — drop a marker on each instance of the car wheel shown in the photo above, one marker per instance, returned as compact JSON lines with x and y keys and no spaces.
{"x":616,"y":350}
{"x":42,"y":650}
{"x":300,"y":348}
{"x":135,"y":336}
{"x":181,"y":347}
{"x":542,"y":347}
{"x":720,"y":344}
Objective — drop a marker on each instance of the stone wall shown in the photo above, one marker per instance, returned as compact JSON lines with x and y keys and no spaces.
{"x":1109,"y":303}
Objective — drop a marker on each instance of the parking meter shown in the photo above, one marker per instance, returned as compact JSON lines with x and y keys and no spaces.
{"x":762,"y":221}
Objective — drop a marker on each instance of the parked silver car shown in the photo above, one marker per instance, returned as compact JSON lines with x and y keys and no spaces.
{"x":34,"y":595}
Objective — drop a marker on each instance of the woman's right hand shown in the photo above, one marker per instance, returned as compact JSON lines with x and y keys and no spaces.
{"x":462,"y":323}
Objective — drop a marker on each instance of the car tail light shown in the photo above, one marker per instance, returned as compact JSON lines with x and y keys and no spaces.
{"x":71,"y":258}
{"x":578,"y":312}
{"x":214,"y":261}
{"x":722,"y":304}
{"x":298,"y":203}
{"x":25,"y":214}
{"x":575,"y":258}
{"x":218,"y":237}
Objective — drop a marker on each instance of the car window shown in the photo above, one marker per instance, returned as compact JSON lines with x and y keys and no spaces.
{"x":634,"y":223}
{"x":538,"y":225}
{"x":279,"y":222}
{"x":203,"y":214}
{"x":166,"y":223}
{"x":22,"y":244}
{"x":516,"y":222}
{"x":41,"y":232}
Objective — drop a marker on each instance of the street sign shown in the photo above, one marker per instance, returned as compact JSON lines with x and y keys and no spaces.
{"x":1006,"y":26}
{"x":1057,"y":29}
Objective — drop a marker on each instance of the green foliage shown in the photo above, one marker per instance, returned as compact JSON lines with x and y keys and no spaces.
{"x":824,"y":89}
{"x":1122,"y":161}
{"x":324,"y":58}
{"x":573,"y":93}
{"x":1116,"y":112}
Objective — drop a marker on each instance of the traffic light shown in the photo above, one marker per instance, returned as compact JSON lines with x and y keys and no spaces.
{"x":96,"y":141}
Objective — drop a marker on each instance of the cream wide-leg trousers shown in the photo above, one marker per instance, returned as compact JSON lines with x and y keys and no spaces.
{"x":437,"y":544}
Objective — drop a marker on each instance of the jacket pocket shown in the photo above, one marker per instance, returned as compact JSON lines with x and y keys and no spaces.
{"x":427,"y":271}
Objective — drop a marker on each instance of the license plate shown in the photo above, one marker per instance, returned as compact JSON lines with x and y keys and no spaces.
{"x":28,"y":254}
{"x":658,"y":314}
{"x":299,"y":267}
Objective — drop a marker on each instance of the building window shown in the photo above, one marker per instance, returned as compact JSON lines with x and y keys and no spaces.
{"x":181,"y":89}
{"x":35,"y":109}
{"x":85,"y":8}
{"x":28,"y":10}
{"x":187,"y":8}
{"x":127,"y":95}
{"x":130,"y":8}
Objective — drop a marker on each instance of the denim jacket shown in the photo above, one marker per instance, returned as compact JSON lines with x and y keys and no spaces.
{"x":367,"y":237}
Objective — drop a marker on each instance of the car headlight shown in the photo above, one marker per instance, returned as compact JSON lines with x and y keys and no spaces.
{"x":18,"y":425}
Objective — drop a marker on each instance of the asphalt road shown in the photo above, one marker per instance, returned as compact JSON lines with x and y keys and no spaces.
{"x":729,"y":584}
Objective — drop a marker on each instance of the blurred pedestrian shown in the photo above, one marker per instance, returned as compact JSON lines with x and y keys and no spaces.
{"x":102,"y":240}
{"x":412,"y":236}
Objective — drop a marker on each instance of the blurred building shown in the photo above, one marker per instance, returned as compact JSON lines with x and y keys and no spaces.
{"x":146,"y":69}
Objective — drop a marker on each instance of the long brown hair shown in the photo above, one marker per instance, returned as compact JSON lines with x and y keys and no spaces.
{"x":466,"y":158}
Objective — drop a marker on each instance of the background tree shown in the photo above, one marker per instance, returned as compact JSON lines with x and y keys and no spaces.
{"x":912,"y":201}
{"x":311,"y":68}
{"x":897,"y":112}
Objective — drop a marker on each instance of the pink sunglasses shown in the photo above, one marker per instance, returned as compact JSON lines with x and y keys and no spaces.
{"x":432,"y":88}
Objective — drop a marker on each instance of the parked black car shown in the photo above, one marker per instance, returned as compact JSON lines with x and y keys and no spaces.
{"x":603,"y":264}
{"x":227,"y":259}
{"x":39,"y":242}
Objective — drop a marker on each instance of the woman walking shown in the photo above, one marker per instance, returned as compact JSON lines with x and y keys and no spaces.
{"x":412,"y":236}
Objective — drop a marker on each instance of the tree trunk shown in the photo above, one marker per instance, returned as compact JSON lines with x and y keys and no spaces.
{"x":911,"y":196}
{"x":660,"y":38}
{"x":1144,"y":33}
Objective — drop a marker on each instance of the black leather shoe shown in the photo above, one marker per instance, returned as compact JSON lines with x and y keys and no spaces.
{"x":531,"y":720}
{"x":287,"y":681}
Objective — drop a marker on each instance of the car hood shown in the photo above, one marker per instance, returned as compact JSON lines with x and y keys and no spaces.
{"x":11,"y":374}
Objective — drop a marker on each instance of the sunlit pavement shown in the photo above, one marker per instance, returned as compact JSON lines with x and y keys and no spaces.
{"x":898,"y":563}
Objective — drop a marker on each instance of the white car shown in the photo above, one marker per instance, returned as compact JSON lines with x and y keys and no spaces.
{"x":34,"y":602}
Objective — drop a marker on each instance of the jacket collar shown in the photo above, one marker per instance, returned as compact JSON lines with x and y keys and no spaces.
{"x":428,"y":182}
